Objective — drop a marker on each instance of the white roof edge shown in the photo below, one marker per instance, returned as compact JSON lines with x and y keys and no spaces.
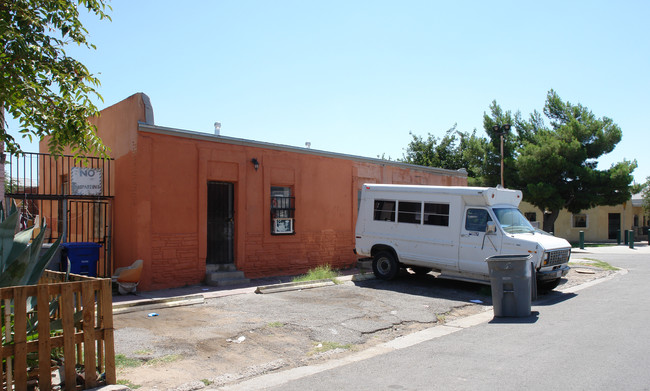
{"x":280,"y":147}
{"x":450,"y":189}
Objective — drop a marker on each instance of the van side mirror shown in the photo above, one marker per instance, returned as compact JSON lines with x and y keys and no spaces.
{"x":491,"y":228}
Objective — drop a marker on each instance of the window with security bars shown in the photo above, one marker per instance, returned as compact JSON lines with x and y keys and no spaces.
{"x":282,"y":211}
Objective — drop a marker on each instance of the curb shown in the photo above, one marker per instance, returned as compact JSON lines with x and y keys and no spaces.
{"x":292,"y":286}
{"x":150,"y":304}
{"x":177,"y":301}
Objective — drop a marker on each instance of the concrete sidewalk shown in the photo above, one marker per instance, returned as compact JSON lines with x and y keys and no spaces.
{"x":196,"y":294}
{"x":604,"y":248}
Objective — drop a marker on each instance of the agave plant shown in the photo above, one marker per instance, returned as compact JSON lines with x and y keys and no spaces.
{"x":20,"y":260}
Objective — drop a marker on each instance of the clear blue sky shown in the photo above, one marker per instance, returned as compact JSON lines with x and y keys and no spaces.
{"x":356,"y":77}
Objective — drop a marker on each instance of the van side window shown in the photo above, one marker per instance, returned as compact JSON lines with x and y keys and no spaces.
{"x":436,"y":214}
{"x":476,"y":220}
{"x":410,"y":212}
{"x":384,"y":210}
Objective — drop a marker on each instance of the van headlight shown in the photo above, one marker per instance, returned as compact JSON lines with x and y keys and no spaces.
{"x":545,"y":258}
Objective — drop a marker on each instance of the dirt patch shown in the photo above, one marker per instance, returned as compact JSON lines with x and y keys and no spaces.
{"x":233,"y":338}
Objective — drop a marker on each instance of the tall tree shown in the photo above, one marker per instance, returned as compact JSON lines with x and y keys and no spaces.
{"x":558,"y":164}
{"x":46,"y":90}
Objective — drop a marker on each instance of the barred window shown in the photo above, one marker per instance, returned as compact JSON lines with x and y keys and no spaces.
{"x":282,"y":211}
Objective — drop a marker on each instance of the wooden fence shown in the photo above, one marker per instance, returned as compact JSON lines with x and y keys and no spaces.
{"x":74,"y":323}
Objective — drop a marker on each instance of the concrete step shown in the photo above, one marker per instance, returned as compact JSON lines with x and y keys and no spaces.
{"x":227,"y":275}
{"x":224,"y":267}
{"x":225,"y":278}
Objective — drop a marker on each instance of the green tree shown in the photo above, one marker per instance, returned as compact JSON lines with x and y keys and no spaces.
{"x":557,"y":165}
{"x":46,"y":90}
{"x":455,"y":150}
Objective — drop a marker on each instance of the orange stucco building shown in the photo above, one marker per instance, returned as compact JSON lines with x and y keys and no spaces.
{"x":187,"y":202}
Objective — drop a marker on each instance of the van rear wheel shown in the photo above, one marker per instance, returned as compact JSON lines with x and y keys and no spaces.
{"x":385,"y":265}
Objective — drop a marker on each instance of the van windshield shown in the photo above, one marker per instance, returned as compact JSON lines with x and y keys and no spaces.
{"x":512,"y":221}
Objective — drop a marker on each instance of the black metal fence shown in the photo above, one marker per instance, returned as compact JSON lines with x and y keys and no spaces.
{"x":74,"y":196}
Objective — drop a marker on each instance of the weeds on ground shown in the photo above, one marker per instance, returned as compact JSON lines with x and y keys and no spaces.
{"x":121,"y":361}
{"x":275,"y":324}
{"x":322,"y":347}
{"x":165,"y":359}
{"x":207,"y":382}
{"x":128,"y":384}
{"x":594,"y":263}
{"x":323,"y":272}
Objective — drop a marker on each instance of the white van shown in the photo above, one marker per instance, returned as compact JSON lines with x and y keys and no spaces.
{"x":452,"y":230}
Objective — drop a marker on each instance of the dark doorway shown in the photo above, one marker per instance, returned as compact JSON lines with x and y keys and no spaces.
{"x":614,"y":225}
{"x":221,"y":223}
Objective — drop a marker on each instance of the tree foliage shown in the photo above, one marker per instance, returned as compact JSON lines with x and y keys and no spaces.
{"x":555,"y":166}
{"x":46,"y":90}
{"x":455,"y":150}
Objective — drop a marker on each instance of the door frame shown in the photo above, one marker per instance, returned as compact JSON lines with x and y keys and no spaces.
{"x":229,"y":212}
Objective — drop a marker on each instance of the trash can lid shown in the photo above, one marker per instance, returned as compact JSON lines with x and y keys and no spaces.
{"x":509,"y":258}
{"x":80,"y":244}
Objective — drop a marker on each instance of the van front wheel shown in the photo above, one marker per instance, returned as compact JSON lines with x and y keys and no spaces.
{"x":385,"y":265}
{"x":547,"y":286}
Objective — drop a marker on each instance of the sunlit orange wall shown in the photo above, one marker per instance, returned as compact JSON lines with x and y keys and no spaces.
{"x":160,"y":212}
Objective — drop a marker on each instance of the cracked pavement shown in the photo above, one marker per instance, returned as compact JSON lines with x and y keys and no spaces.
{"x":232,"y":338}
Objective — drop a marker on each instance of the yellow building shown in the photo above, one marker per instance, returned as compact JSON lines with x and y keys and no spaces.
{"x":600,"y":224}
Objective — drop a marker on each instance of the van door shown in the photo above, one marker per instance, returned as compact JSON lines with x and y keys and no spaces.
{"x":475,"y":244}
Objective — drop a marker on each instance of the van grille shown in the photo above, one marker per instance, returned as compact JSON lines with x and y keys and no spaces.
{"x":558,"y":257}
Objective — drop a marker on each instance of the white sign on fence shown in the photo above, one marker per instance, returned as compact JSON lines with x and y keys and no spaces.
{"x":86,"y":181}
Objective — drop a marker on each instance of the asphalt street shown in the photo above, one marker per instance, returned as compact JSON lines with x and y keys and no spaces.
{"x":594,"y":338}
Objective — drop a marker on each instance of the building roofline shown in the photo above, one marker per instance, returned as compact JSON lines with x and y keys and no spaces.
{"x":288,"y":148}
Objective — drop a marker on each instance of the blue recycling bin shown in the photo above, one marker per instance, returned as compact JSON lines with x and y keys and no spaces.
{"x":83,"y":257}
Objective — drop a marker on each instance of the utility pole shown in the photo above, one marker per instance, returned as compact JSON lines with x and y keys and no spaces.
{"x":501,"y":130}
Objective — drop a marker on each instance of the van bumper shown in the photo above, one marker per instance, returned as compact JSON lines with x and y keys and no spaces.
{"x":558,"y":272}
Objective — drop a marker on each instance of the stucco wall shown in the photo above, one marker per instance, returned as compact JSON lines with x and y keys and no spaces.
{"x":597,"y":221}
{"x":326,"y":201}
{"x":160,"y":212}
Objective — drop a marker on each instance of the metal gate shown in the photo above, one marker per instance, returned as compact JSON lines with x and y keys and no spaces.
{"x":74,"y":196}
{"x":221,"y":223}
